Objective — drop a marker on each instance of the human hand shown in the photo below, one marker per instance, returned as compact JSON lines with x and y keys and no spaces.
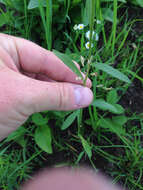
{"x":33,"y":79}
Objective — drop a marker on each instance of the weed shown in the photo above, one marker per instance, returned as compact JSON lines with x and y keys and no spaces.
{"x":99,"y":36}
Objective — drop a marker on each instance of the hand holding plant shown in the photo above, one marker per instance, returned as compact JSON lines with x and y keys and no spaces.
{"x":33,"y":80}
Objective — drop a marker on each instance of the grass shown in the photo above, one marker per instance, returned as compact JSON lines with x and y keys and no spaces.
{"x":96,"y":136}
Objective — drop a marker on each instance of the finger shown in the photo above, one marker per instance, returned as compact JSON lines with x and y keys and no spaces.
{"x":63,"y":178}
{"x":43,"y":77}
{"x":35,"y":59}
{"x":40,"y":96}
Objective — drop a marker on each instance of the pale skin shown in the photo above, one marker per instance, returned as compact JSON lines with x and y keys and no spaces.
{"x":33,"y":79}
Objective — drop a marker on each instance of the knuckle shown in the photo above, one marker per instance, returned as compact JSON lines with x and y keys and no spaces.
{"x":63,"y":96}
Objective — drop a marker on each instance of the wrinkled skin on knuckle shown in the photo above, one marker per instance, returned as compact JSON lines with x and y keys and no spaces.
{"x":63,"y":91}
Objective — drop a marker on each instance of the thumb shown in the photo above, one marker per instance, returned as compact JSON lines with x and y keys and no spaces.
{"x":56,"y":95}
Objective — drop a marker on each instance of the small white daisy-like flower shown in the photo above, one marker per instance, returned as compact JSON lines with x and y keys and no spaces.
{"x":98,"y":21}
{"x":87,"y":34}
{"x":80,"y":26}
{"x":75,"y":27}
{"x":87,"y":45}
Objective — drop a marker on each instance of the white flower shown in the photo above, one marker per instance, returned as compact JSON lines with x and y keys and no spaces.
{"x":87,"y":34}
{"x":80,"y":26}
{"x":75,"y":27}
{"x":98,"y":21}
{"x":87,"y":45}
{"x":96,"y":37}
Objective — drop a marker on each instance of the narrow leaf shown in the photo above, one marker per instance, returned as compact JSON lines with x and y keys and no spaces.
{"x":113,"y":72}
{"x":69,"y":120}
{"x":43,"y":138}
{"x":68,"y":61}
{"x":86,"y":147}
{"x":105,"y":106}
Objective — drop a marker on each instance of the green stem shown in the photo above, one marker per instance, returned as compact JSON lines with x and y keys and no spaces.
{"x":115,"y":4}
{"x":91,"y":27}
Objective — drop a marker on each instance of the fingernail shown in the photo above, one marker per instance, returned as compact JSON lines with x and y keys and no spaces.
{"x":83,"y":96}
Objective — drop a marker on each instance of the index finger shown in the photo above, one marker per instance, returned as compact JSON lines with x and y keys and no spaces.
{"x":35,"y":59}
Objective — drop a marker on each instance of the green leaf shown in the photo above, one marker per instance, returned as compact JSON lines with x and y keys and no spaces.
{"x":34,"y":4}
{"x":113,"y":127}
{"x":113,"y":72}
{"x":137,"y":2}
{"x":5,"y":18}
{"x":107,"y":14}
{"x":70,"y":119}
{"x":68,"y":61}
{"x":87,"y":12}
{"x":2,"y":1}
{"x":86,"y":147}
{"x":105,"y":106}
{"x":120,"y":120}
{"x":112,"y":97}
{"x":43,"y":138}
{"x":38,"y":119}
{"x":119,"y":109}
{"x":16,"y":134}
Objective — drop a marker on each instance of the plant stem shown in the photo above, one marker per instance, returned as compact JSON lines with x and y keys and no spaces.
{"x":115,"y":4}
{"x":91,"y":27}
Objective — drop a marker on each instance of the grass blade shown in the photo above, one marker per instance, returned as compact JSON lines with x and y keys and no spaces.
{"x":49,"y":23}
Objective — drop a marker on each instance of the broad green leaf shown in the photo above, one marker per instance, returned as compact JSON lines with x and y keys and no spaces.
{"x":113,"y":127}
{"x":34,"y":4}
{"x":43,"y":138}
{"x":86,"y":147}
{"x":112,"y":97}
{"x":140,"y":2}
{"x":4,"y":18}
{"x":69,"y":120}
{"x":119,"y":109}
{"x":113,"y":72}
{"x":120,"y":120}
{"x":137,"y":2}
{"x":2,"y":1}
{"x":38,"y":119}
{"x":68,"y":61}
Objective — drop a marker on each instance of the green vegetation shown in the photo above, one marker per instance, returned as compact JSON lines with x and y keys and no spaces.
{"x":108,"y":134}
